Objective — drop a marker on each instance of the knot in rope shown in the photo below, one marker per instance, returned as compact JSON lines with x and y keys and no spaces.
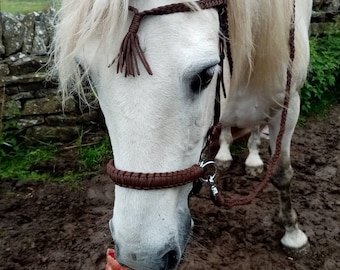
{"x":130,"y":48}
{"x":137,"y":17}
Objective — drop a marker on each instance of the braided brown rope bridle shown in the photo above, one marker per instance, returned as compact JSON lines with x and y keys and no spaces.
{"x":128,"y":58}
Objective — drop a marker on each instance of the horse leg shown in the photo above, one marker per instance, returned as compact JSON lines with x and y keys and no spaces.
{"x":254,"y":163}
{"x":294,"y":240}
{"x":223,"y":157}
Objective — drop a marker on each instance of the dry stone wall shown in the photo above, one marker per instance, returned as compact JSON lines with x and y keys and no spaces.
{"x":31,"y":107}
{"x":326,"y":16}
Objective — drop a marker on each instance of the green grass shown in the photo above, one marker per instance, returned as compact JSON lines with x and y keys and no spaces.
{"x":17,"y":160}
{"x":321,"y":89}
{"x":17,"y":6}
{"x":17,"y":163}
{"x":90,"y":157}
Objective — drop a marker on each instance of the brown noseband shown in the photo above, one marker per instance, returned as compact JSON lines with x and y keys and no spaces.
{"x":147,"y":181}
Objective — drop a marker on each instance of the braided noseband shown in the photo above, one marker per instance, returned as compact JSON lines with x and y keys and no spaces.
{"x":147,"y":181}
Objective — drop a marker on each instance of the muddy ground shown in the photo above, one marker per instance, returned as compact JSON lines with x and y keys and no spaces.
{"x":65,"y":226}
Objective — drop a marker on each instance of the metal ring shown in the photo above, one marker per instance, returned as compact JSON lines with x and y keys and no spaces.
{"x":203,"y":165}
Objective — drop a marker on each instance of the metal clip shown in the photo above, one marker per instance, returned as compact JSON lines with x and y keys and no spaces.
{"x":213,"y":188}
{"x":210,"y":178}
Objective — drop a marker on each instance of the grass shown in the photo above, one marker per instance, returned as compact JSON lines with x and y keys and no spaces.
{"x":17,"y":6}
{"x":92,"y":156}
{"x":17,"y":161}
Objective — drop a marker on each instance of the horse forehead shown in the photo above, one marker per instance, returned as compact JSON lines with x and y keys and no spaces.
{"x":184,"y":36}
{"x":203,"y":21}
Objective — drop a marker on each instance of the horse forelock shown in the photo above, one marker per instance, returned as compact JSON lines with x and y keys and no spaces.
{"x":78,"y":22}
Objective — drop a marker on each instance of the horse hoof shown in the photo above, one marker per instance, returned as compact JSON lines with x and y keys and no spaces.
{"x":254,"y":171}
{"x":223,"y":165}
{"x":297,"y":253}
{"x":295,"y":243}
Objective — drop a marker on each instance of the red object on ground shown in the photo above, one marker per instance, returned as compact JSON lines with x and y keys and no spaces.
{"x":111,"y":262}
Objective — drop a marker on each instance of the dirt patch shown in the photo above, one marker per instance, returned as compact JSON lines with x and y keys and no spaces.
{"x":63,"y":226}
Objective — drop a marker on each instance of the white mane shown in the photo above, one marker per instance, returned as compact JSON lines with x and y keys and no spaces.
{"x":251,"y":26}
{"x":79,"y":21}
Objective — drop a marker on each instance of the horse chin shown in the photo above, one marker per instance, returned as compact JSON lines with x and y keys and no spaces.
{"x":134,"y":256}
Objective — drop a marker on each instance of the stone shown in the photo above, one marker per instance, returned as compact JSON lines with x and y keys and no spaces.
{"x":34,"y":86}
{"x":91,"y":116}
{"x":27,"y":122}
{"x":3,"y":97}
{"x":52,"y":134}
{"x":91,"y":101}
{"x":12,"y":109}
{"x":46,"y":93}
{"x":14,"y":57}
{"x":23,"y":95}
{"x":27,"y":78}
{"x":4,"y":70}
{"x":29,"y":24}
{"x":2,"y":47}
{"x":41,"y":38}
{"x":332,"y":5}
{"x":326,"y":5}
{"x":12,"y":32}
{"x":22,"y":123}
{"x":54,"y":120}
{"x":47,"y":105}
{"x":28,"y":64}
{"x":11,"y":90}
{"x":48,"y":19}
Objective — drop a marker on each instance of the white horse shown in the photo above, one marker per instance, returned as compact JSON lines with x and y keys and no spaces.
{"x":158,"y":123}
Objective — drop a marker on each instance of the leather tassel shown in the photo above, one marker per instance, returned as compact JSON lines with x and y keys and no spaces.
{"x":130,"y":49}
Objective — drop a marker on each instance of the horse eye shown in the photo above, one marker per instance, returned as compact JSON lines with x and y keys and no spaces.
{"x":201,"y":80}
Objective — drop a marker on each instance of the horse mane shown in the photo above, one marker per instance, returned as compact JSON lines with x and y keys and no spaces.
{"x":259,"y":31}
{"x":259,"y":35}
{"x":77,"y":23}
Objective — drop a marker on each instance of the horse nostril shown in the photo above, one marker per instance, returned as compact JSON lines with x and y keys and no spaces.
{"x":171,"y":259}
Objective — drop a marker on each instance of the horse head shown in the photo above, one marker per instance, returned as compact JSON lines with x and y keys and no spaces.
{"x":157,"y":123}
